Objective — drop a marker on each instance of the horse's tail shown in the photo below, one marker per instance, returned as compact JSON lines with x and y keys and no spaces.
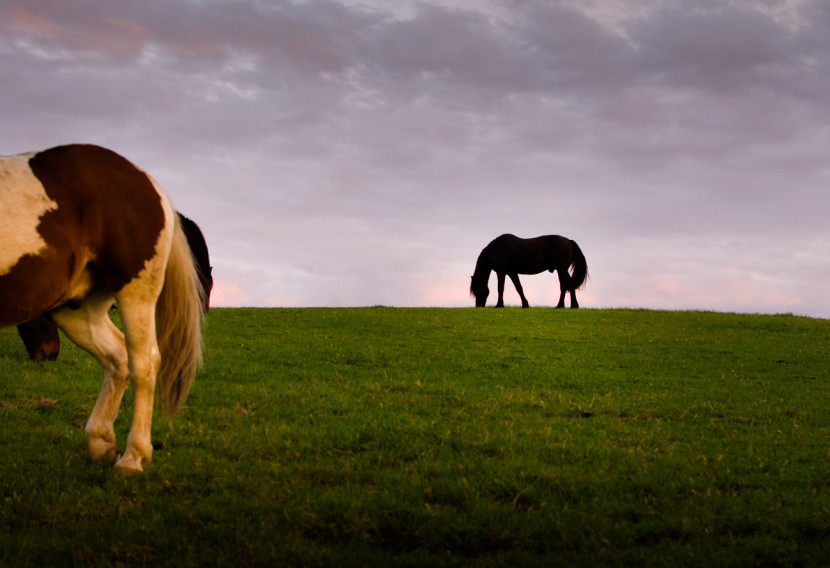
{"x":580,"y":266}
{"x":179,"y":325}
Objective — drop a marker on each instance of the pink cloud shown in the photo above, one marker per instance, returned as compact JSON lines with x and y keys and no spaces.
{"x":20,"y":17}
{"x":227,"y":294}
{"x":106,"y":36}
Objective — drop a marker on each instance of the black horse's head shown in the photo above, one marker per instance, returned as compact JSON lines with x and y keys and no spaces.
{"x":479,"y":290}
{"x":40,"y":336}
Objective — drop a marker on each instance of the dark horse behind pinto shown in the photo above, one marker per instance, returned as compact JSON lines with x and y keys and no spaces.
{"x":509,"y":255}
{"x":40,"y":335}
{"x":81,"y":228}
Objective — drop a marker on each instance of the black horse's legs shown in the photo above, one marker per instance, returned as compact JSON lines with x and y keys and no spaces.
{"x":566,"y":285}
{"x":518,"y":285}
{"x":500,"y":278}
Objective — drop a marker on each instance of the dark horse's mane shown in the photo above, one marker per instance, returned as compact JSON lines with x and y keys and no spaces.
{"x":482,"y":270}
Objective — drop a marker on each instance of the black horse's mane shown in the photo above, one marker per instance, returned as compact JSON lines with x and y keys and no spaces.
{"x":482,"y":270}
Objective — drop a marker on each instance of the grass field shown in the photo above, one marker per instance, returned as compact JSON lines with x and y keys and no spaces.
{"x":441,"y":437}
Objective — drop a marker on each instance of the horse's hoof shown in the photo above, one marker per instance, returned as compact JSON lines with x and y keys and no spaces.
{"x":128,"y":466}
{"x":102,"y":450}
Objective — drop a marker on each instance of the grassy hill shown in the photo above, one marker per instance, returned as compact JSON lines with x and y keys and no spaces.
{"x":430,"y":437}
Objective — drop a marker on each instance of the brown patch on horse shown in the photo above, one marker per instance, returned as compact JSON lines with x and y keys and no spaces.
{"x":86,"y":249}
{"x":74,"y":174}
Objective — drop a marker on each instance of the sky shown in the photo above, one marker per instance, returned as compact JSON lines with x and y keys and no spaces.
{"x":363,"y":152}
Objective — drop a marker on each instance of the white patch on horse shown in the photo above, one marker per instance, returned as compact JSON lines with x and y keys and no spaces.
{"x":23,"y":201}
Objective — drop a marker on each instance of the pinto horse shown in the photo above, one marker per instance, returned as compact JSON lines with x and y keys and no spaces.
{"x":82,"y":227}
{"x":510,"y":256}
{"x":40,"y":335}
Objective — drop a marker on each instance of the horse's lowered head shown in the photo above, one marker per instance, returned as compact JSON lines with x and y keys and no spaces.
{"x":40,"y":336}
{"x":479,"y":290}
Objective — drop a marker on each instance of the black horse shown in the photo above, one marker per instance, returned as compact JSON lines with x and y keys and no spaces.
{"x":510,"y":256}
{"x":40,"y":335}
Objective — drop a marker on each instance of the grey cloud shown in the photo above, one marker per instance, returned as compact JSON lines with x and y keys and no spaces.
{"x":324,"y":146}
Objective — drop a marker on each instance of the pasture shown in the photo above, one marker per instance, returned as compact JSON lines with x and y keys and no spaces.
{"x":440,"y":437}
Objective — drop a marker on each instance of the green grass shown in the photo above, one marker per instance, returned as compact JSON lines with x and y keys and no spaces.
{"x":441,"y":437}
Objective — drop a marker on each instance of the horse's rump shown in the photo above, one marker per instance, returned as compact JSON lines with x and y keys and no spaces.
{"x":88,"y":220}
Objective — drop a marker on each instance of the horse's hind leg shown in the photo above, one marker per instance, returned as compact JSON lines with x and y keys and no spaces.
{"x":518,"y":285}
{"x":139,"y":319}
{"x":90,"y":328}
{"x":566,"y":285}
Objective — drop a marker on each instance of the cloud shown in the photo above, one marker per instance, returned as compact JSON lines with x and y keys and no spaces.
{"x":359,"y":153}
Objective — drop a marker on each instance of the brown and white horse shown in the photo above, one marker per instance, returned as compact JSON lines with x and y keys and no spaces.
{"x":82,"y":227}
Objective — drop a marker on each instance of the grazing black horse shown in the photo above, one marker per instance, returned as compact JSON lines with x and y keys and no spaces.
{"x":510,"y":256}
{"x":40,"y":335}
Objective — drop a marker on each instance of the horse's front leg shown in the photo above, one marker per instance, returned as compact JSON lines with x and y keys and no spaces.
{"x":518,"y":286}
{"x":100,"y":435}
{"x":500,"y":278}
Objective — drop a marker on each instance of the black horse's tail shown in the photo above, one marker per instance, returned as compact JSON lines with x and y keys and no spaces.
{"x":580,"y":266}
